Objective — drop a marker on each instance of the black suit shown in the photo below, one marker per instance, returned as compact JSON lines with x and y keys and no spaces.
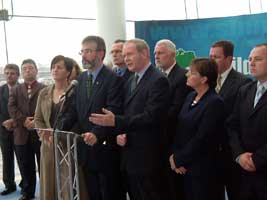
{"x":247,"y":131}
{"x":197,"y":144}
{"x":100,"y":161}
{"x":229,"y":169}
{"x":179,"y":90}
{"x":127,"y":75}
{"x":142,"y":157}
{"x":6,"y":141}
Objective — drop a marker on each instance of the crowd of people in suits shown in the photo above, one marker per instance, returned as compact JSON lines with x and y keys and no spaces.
{"x":148,"y":132}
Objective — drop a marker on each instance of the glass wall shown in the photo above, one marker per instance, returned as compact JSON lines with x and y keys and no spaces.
{"x":41,"y":29}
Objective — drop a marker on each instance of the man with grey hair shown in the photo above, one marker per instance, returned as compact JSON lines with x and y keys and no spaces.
{"x":165,"y":53}
{"x":139,"y":129}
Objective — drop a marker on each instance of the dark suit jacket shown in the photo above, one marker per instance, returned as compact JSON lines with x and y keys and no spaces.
{"x":229,"y":93}
{"x":20,"y":107}
{"x":4,"y":115}
{"x":179,"y":90}
{"x":127,"y":75}
{"x":197,"y":137}
{"x":230,"y":89}
{"x":106,"y":93}
{"x":247,"y":127}
{"x":144,"y":109}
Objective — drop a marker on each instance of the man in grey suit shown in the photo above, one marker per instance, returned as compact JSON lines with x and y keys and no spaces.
{"x":11,"y":72}
{"x":247,"y":129}
{"x":228,"y":83}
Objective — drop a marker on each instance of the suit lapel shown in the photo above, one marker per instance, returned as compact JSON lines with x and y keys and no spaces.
{"x":96,"y":88}
{"x":172,"y":73}
{"x":139,"y":86}
{"x":227,"y":83}
{"x":35,"y":90}
{"x":24,"y":91}
{"x":251,"y":96}
{"x":262,"y":101}
{"x":5,"y":92}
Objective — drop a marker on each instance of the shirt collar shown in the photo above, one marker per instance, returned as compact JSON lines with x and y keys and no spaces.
{"x":95,"y":72}
{"x":264,"y":84}
{"x":225,"y":74}
{"x":169,"y":69}
{"x":142,"y":72}
{"x":30,"y":85}
{"x":122,"y":70}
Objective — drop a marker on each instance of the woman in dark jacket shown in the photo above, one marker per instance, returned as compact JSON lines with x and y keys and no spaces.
{"x":198,"y":134}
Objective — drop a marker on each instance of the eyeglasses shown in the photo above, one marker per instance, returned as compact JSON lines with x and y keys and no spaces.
{"x":87,"y":51}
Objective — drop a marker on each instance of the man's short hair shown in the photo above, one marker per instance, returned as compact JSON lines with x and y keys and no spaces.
{"x":168,"y":43}
{"x":29,"y":61}
{"x":100,"y":43}
{"x":13,"y":67}
{"x":140,"y":45}
{"x":119,"y":41}
{"x":227,"y":46}
{"x":262,"y":45}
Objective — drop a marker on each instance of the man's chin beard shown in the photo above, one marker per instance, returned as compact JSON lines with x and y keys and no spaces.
{"x":88,"y":66}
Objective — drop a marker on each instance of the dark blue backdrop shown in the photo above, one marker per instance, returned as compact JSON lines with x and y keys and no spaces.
{"x":197,"y":35}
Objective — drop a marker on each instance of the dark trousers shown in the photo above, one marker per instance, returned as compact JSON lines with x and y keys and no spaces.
{"x":176,"y":185}
{"x":26,"y":160}
{"x":146,"y":187}
{"x":203,"y":187}
{"x":102,"y":185}
{"x":253,"y":187}
{"x":7,"y":148}
{"x":229,"y":176}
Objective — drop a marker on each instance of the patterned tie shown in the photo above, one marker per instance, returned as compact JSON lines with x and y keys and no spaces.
{"x":219,"y":84}
{"x":134,"y":82}
{"x":29,"y":91}
{"x":260,"y":91}
{"x":89,"y":85}
{"x":119,"y":72}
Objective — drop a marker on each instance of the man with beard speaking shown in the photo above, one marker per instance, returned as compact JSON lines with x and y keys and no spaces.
{"x":98,"y":153}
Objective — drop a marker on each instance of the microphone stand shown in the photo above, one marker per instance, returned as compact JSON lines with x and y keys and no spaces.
{"x":55,"y":141}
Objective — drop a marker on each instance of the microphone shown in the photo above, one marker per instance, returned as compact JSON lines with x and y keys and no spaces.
{"x":69,"y":91}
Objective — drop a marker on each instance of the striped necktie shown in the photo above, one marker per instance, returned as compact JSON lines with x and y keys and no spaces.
{"x":219,"y":84}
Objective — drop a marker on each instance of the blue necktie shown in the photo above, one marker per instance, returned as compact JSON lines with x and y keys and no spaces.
{"x":260,"y":91}
{"x":119,"y":72}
